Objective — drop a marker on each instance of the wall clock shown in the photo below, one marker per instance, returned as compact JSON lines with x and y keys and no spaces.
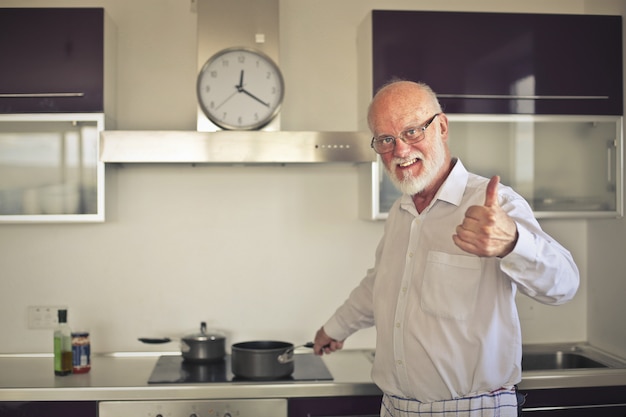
{"x":240,"y":89}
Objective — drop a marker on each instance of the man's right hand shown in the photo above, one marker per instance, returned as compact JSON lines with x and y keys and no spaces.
{"x":325,"y":344}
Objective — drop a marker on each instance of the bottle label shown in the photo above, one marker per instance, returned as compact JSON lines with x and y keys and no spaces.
{"x":57,"y":353}
{"x":81,"y":353}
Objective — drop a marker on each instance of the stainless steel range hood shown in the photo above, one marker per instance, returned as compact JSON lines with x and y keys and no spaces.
{"x":222,"y":24}
{"x":234,"y":147}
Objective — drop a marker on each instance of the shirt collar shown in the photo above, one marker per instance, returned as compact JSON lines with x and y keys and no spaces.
{"x":453,"y":188}
{"x":451,"y":191}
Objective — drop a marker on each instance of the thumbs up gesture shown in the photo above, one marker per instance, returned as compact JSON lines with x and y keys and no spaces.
{"x":487,"y":230}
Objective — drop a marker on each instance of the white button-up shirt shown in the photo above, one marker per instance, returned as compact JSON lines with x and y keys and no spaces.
{"x":446,"y":321}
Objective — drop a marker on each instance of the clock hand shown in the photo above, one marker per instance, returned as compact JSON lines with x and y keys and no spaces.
{"x":238,"y":89}
{"x":243,"y":90}
{"x":227,"y":98}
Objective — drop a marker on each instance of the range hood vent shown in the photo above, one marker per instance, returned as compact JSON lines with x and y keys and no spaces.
{"x":234,"y":147}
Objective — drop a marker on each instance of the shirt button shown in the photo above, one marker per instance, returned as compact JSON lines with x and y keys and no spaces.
{"x":410,"y":254}
{"x":399,"y":362}
{"x":398,"y":325}
{"x":403,"y":290}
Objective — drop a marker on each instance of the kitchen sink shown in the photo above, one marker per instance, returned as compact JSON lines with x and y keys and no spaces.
{"x":560,"y":356}
{"x":558,"y":360}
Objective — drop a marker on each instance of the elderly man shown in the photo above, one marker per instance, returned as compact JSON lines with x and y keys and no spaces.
{"x":456,"y":247}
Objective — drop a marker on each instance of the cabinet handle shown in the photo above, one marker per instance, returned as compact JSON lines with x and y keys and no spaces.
{"x":521,"y":97}
{"x":609,"y":162}
{"x":39,"y":95}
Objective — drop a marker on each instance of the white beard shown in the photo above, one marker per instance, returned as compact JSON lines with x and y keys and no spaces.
{"x":414,"y":185}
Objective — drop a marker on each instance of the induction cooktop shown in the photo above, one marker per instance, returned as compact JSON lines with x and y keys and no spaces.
{"x":172,"y":369}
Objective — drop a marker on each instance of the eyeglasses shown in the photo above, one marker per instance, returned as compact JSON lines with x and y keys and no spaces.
{"x":410,"y":136}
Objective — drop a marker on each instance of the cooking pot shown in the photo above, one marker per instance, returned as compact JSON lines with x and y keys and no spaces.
{"x":263,"y":360}
{"x":198,"y":347}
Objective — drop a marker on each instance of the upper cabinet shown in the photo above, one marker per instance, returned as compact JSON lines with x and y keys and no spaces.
{"x":564,"y":166}
{"x":53,"y":60}
{"x":503,"y":63}
{"x":534,"y":98}
{"x":57,"y":72}
{"x":50,"y":170}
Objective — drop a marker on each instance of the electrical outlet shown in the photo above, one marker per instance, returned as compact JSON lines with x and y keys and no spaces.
{"x":43,"y":317}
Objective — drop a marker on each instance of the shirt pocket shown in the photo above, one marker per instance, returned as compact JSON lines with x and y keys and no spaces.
{"x":450,"y":285}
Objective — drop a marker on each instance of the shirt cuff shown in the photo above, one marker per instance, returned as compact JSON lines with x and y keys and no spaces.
{"x":523,"y":254}
{"x":334,"y":330}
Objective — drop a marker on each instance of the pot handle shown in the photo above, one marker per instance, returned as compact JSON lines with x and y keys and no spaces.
{"x":155,"y":340}
{"x":287,"y":355}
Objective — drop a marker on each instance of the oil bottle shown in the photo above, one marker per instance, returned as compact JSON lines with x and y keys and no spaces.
{"x":62,"y":346}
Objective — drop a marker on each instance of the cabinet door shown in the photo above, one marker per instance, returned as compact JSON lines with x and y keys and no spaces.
{"x":607,"y":401}
{"x":351,"y":406}
{"x":50,"y":170}
{"x":504,"y":63}
{"x":527,"y":153}
{"x":52,"y":60}
{"x":48,"y":408}
{"x":601,"y":411}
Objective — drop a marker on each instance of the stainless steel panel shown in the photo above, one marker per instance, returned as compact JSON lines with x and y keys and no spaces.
{"x":234,"y":147}
{"x":239,"y":408}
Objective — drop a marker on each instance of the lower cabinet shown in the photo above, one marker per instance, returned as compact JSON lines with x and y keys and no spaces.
{"x":48,"y":408}
{"x":576,"y":402}
{"x":599,"y":411}
{"x":353,"y":406}
{"x":559,"y":402}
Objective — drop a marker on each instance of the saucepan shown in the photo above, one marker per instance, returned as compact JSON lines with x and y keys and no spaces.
{"x":205,"y":346}
{"x":263,"y":359}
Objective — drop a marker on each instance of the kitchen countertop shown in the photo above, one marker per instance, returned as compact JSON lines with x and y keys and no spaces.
{"x":124,"y":376}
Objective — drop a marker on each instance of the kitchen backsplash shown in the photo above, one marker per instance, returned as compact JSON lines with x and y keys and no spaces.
{"x":262,"y":252}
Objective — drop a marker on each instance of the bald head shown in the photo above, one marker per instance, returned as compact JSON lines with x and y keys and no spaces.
{"x":398,"y":99}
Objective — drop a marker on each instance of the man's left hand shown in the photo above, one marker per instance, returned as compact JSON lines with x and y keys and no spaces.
{"x":487,"y":230}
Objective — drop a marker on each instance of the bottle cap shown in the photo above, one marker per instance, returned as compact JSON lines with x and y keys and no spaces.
{"x":62,"y":316}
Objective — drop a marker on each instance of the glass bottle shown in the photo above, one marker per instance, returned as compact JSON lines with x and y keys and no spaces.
{"x":62,"y":346}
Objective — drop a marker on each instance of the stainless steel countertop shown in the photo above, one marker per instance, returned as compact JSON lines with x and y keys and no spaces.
{"x":125,"y":376}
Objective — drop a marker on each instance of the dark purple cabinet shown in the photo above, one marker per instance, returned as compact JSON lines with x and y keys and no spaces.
{"x":556,"y":402}
{"x":576,"y":402}
{"x":48,"y":408}
{"x":51,"y":60}
{"x":367,"y":405}
{"x":504,"y":63}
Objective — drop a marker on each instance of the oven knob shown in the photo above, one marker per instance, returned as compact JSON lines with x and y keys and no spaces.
{"x":227,"y":414}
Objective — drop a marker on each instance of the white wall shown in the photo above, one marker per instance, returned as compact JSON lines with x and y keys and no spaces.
{"x":262,"y":252}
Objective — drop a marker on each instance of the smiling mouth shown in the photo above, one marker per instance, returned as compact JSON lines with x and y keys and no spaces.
{"x":408,"y":163}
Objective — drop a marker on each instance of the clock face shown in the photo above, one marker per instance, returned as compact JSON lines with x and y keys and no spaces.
{"x":239,"y":88}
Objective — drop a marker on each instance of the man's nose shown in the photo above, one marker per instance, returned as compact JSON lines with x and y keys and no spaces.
{"x":401,"y":148}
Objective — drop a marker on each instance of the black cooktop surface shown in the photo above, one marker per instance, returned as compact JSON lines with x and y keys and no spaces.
{"x":172,"y":369}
